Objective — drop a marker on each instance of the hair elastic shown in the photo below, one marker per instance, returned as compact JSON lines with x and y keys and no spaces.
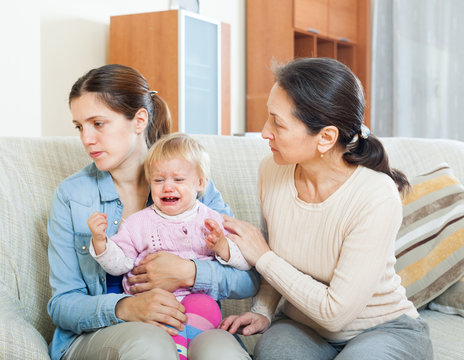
{"x":365,"y":132}
{"x":152,"y":93}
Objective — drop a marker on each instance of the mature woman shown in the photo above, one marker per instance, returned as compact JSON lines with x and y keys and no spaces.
{"x":332,"y":209}
{"x":118,"y":119}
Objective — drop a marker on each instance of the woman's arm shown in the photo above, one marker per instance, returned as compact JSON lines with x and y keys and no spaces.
{"x":362,"y":262}
{"x":72,"y":307}
{"x":224,"y":282}
{"x":170,"y":272}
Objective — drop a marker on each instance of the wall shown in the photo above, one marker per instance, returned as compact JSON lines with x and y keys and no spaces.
{"x":46,"y":45}
{"x":20,"y":102}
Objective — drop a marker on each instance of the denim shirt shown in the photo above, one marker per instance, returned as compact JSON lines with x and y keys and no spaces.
{"x":80,"y":302}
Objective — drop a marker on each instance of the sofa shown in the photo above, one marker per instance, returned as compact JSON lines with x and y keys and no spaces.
{"x":31,"y":168}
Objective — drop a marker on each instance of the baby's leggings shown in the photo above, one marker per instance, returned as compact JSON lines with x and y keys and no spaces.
{"x":203,"y":313}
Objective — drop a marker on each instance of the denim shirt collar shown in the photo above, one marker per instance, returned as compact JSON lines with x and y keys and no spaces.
{"x":108,"y":190}
{"x":106,"y":186}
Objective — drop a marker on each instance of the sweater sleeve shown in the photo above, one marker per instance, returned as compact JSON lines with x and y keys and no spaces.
{"x":366,"y":248}
{"x":236,"y":259}
{"x":112,"y":260}
{"x":266,"y":300}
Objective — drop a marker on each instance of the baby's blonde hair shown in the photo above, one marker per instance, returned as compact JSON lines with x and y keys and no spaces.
{"x":179,"y":145}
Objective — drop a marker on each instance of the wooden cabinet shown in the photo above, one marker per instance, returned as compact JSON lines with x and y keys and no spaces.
{"x":311,"y":15}
{"x":281,"y":30}
{"x":186,"y":58}
{"x":343,"y":20}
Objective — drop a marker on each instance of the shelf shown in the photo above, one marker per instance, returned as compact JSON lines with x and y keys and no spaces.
{"x":346,"y":54}
{"x":326,"y":48}
{"x":305,"y":45}
{"x":281,"y":30}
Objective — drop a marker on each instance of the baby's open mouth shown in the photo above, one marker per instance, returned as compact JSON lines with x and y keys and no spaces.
{"x":169,"y":199}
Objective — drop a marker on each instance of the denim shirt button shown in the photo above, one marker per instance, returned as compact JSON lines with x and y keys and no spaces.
{"x":112,"y":322}
{"x":103,"y":279}
{"x":119,"y":202}
{"x":84,"y":248}
{"x":115,"y":222}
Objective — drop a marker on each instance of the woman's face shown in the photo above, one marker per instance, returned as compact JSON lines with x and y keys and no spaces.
{"x":288,"y":137}
{"x":174,"y":184}
{"x":108,"y":137}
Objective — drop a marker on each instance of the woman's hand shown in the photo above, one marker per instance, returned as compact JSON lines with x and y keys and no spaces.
{"x":157,"y":307}
{"x":247,"y":323}
{"x":248,"y":238}
{"x":162,"y":270}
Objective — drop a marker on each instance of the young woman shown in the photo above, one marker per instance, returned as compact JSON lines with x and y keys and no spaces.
{"x":118,"y":119}
{"x":332,"y":210}
{"x":177,"y":169}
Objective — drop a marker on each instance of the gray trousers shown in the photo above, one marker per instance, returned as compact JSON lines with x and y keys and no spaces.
{"x":140,"y":341}
{"x":404,"y":338}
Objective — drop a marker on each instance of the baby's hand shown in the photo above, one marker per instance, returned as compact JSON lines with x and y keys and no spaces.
{"x":97,"y":224}
{"x":216,"y":239}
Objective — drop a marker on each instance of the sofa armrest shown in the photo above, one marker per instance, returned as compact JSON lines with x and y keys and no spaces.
{"x":19,"y":340}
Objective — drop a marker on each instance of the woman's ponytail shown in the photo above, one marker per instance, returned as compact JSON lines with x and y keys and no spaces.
{"x":161,"y":121}
{"x":325,"y":92}
{"x":370,"y":152}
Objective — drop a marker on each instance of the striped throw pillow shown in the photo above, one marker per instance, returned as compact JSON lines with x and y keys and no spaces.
{"x":430,"y":242}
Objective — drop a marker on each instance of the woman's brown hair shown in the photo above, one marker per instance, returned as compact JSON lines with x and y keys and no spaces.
{"x":124,"y":90}
{"x":325,"y":92}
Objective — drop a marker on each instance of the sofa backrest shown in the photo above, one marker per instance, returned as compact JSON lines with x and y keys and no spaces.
{"x":414,"y":156}
{"x":31,"y":169}
{"x":234,"y":170}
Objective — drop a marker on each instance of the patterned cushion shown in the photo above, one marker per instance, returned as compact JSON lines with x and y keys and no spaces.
{"x":451,"y":301}
{"x":430,"y":243}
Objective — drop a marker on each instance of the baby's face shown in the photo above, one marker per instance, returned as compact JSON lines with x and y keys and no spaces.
{"x":175,"y":184}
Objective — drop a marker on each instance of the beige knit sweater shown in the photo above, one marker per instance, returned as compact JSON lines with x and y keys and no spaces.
{"x":333,"y":262}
